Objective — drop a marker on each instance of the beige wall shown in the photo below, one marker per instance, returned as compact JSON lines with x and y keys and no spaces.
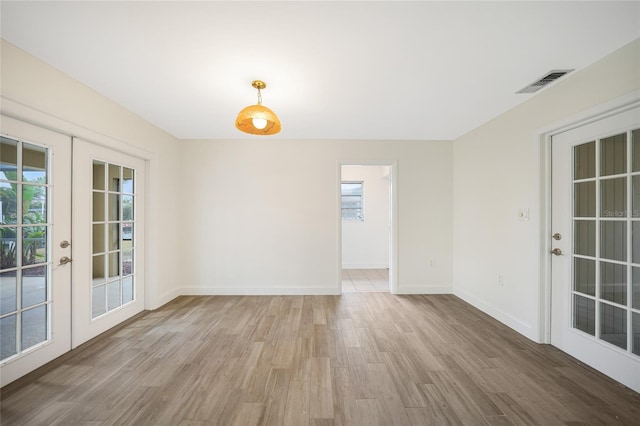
{"x":35,"y":92}
{"x":497,"y":170}
{"x":263,"y":214}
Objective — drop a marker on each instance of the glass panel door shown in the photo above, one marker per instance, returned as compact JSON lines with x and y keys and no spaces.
{"x":596,"y":256}
{"x":108,"y":210}
{"x":34,"y":288}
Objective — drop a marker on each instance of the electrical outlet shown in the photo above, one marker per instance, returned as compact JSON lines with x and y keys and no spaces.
{"x":501,"y":280}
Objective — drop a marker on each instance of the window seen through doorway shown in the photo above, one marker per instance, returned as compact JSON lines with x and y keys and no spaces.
{"x":352,"y":201}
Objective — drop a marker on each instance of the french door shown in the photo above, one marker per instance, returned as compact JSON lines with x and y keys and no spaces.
{"x":108,"y":211}
{"x":595,"y":313}
{"x":35,"y":231}
{"x":43,"y":312}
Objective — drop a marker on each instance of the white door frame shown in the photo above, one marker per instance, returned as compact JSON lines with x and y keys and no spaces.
{"x":543,"y":139}
{"x":393,"y":238}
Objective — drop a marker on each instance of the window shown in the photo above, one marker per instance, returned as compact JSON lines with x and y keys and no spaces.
{"x":352,"y":201}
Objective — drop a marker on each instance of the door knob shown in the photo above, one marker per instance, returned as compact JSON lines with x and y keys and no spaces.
{"x":64,"y":260}
{"x":556,"y":251}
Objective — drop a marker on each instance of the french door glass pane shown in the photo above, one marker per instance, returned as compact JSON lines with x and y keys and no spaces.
{"x":585,"y":237}
{"x":98,"y":206}
{"x":585,"y":161}
{"x":34,"y":286}
{"x":585,"y":276}
{"x":98,"y":302}
{"x":34,"y":160}
{"x":127,"y":290}
{"x":613,"y":282}
{"x":34,"y":245}
{"x":635,"y":288}
{"x":113,"y":243}
{"x":98,"y":175}
{"x":584,"y":314}
{"x":8,"y":292}
{"x":98,"y":238}
{"x":635,"y":136}
{"x":24,"y":258}
{"x":114,"y":178}
{"x":99,"y":271}
{"x":8,"y":158}
{"x":613,"y":325}
{"x":613,"y":159}
{"x":8,"y":336}
{"x":636,"y":333}
{"x":8,"y":247}
{"x":613,"y":240}
{"x":113,"y":292}
{"x":127,"y":180}
{"x":114,"y":207}
{"x":9,"y":203}
{"x":585,"y":199}
{"x":613,"y":197}
{"x":635,"y":196}
{"x":34,"y":326}
{"x":635,"y":241}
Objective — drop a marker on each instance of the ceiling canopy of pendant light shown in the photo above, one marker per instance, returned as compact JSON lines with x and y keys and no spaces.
{"x":258,"y":119}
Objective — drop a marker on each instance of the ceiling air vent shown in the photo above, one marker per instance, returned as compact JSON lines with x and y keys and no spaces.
{"x":549,"y":77}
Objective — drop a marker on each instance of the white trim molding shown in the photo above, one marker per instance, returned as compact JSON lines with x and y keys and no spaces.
{"x":517,"y":324}
{"x":258,"y":291}
{"x":425,"y":289}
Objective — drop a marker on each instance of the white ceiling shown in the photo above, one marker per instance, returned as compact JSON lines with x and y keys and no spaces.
{"x":335,"y":70}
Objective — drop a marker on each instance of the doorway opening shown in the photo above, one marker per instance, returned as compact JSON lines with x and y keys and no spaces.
{"x":366,"y":227}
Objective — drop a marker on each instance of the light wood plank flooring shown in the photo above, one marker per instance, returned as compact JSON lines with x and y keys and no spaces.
{"x":356,"y":359}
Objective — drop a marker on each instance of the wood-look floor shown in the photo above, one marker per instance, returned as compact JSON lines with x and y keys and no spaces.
{"x":356,"y":359}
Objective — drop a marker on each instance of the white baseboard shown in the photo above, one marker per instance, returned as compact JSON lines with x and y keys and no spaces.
{"x":424,"y":289}
{"x":365,"y":266}
{"x":257,"y":291}
{"x":165,"y":298}
{"x":518,"y":325}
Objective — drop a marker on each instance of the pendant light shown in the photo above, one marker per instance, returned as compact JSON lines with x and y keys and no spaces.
{"x":258,"y":119}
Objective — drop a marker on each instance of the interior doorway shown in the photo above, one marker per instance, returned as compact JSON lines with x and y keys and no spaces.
{"x":366,"y":227}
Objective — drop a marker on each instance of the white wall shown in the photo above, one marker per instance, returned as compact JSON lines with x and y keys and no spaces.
{"x":497,"y":170}
{"x":263,"y":214}
{"x":365,"y":245}
{"x":35,"y":92}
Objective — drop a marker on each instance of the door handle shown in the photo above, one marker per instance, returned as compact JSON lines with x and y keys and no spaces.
{"x":64,"y":260}
{"x":556,"y":251}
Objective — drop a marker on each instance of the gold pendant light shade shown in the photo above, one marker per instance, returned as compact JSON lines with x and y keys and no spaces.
{"x":250,"y":119}
{"x":258,"y":119}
